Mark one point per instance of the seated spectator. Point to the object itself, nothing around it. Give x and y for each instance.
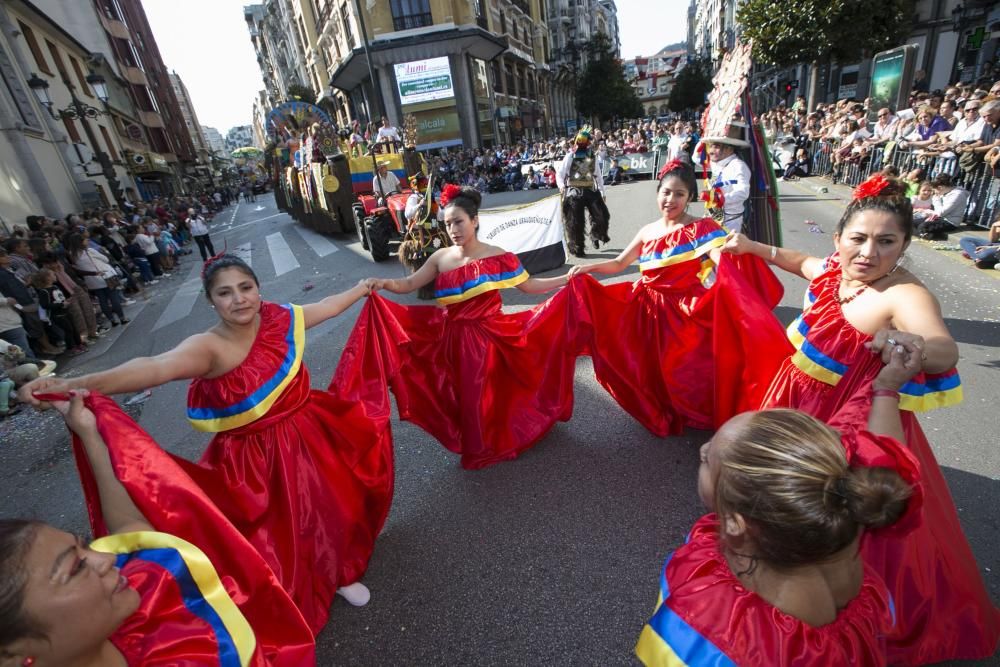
(55, 313)
(18, 296)
(616, 174)
(800, 167)
(913, 179)
(984, 253)
(949, 203)
(922, 200)
(17, 368)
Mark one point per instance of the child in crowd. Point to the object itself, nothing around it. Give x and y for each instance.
(58, 323)
(922, 201)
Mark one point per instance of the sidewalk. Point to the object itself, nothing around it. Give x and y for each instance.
(818, 185)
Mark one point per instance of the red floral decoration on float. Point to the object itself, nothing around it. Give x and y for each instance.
(448, 193)
(873, 187)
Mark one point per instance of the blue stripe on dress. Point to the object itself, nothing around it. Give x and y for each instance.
(478, 280)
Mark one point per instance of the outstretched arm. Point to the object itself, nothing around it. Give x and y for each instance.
(414, 281)
(335, 304)
(790, 260)
(917, 319)
(120, 514)
(194, 357)
(616, 265)
(884, 419)
(543, 285)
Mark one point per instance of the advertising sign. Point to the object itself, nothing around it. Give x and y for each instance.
(424, 81)
(892, 75)
(437, 128)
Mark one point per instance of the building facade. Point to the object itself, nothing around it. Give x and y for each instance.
(203, 157)
(653, 84)
(238, 137)
(216, 143)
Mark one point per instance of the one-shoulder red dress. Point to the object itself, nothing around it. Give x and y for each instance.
(689, 343)
(487, 384)
(206, 595)
(944, 610)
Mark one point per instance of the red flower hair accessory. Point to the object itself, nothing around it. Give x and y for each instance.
(873, 187)
(670, 166)
(448, 193)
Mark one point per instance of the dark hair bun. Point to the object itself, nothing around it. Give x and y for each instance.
(875, 497)
(472, 193)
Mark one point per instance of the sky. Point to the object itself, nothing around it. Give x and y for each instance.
(206, 42)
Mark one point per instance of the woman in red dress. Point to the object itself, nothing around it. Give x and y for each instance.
(860, 303)
(305, 475)
(488, 385)
(135, 596)
(687, 343)
(773, 577)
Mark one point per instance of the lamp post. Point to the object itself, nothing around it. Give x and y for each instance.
(81, 111)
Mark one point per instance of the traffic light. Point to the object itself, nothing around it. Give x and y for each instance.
(788, 88)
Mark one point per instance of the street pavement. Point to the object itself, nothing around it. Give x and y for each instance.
(550, 559)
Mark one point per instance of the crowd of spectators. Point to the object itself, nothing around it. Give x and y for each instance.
(64, 283)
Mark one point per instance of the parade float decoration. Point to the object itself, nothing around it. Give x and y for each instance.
(728, 106)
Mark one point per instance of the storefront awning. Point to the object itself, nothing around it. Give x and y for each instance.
(434, 43)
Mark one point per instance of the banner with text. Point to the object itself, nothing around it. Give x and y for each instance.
(533, 232)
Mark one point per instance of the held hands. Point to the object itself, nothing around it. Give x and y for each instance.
(886, 339)
(577, 270)
(905, 361)
(26, 394)
(78, 417)
(370, 285)
(737, 244)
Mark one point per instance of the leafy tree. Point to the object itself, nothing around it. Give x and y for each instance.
(602, 90)
(297, 91)
(818, 31)
(693, 82)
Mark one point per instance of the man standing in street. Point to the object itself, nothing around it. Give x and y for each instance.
(199, 230)
(581, 184)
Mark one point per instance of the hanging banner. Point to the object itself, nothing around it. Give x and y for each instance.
(534, 233)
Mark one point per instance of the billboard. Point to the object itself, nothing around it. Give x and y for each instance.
(892, 76)
(424, 81)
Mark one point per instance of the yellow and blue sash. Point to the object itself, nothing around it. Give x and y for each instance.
(257, 404)
(681, 253)
(199, 584)
(480, 284)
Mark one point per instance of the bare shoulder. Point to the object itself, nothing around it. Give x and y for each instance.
(492, 251)
(907, 292)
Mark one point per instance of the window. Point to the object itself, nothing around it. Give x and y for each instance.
(503, 24)
(409, 14)
(107, 142)
(84, 86)
(347, 26)
(57, 59)
(36, 52)
(71, 130)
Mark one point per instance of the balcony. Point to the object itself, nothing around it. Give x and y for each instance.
(114, 27)
(151, 119)
(134, 75)
(411, 21)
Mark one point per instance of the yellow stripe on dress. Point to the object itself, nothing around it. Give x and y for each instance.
(654, 652)
(482, 288)
(714, 239)
(235, 632)
(258, 406)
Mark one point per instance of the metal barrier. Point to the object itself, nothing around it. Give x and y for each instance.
(983, 187)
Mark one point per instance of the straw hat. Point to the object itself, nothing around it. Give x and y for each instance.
(735, 135)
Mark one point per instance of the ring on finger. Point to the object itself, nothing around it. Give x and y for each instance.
(891, 341)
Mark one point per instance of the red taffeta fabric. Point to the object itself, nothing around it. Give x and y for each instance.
(944, 610)
(171, 626)
(486, 384)
(689, 343)
(306, 475)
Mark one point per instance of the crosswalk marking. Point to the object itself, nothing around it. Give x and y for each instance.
(321, 245)
(244, 253)
(184, 299)
(281, 255)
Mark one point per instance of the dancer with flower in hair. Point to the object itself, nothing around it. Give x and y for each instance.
(580, 180)
(487, 384)
(693, 341)
(861, 303)
(305, 475)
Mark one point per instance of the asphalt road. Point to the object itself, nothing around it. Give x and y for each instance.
(550, 559)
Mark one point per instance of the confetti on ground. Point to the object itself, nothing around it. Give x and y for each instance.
(307, 287)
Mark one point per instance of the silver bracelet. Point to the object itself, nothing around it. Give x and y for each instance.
(774, 252)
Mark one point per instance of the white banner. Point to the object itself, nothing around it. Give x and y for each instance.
(533, 232)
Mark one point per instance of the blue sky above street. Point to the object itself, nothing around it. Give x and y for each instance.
(207, 44)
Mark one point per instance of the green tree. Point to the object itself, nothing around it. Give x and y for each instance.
(693, 82)
(602, 90)
(819, 31)
(297, 91)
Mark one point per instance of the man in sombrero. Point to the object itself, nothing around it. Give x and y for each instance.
(730, 174)
(581, 185)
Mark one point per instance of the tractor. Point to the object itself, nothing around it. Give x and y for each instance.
(379, 216)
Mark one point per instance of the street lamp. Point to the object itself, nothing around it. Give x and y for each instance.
(78, 110)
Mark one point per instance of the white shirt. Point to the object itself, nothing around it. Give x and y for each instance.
(197, 225)
(951, 206)
(965, 132)
(147, 244)
(388, 133)
(674, 148)
(732, 176)
(390, 183)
